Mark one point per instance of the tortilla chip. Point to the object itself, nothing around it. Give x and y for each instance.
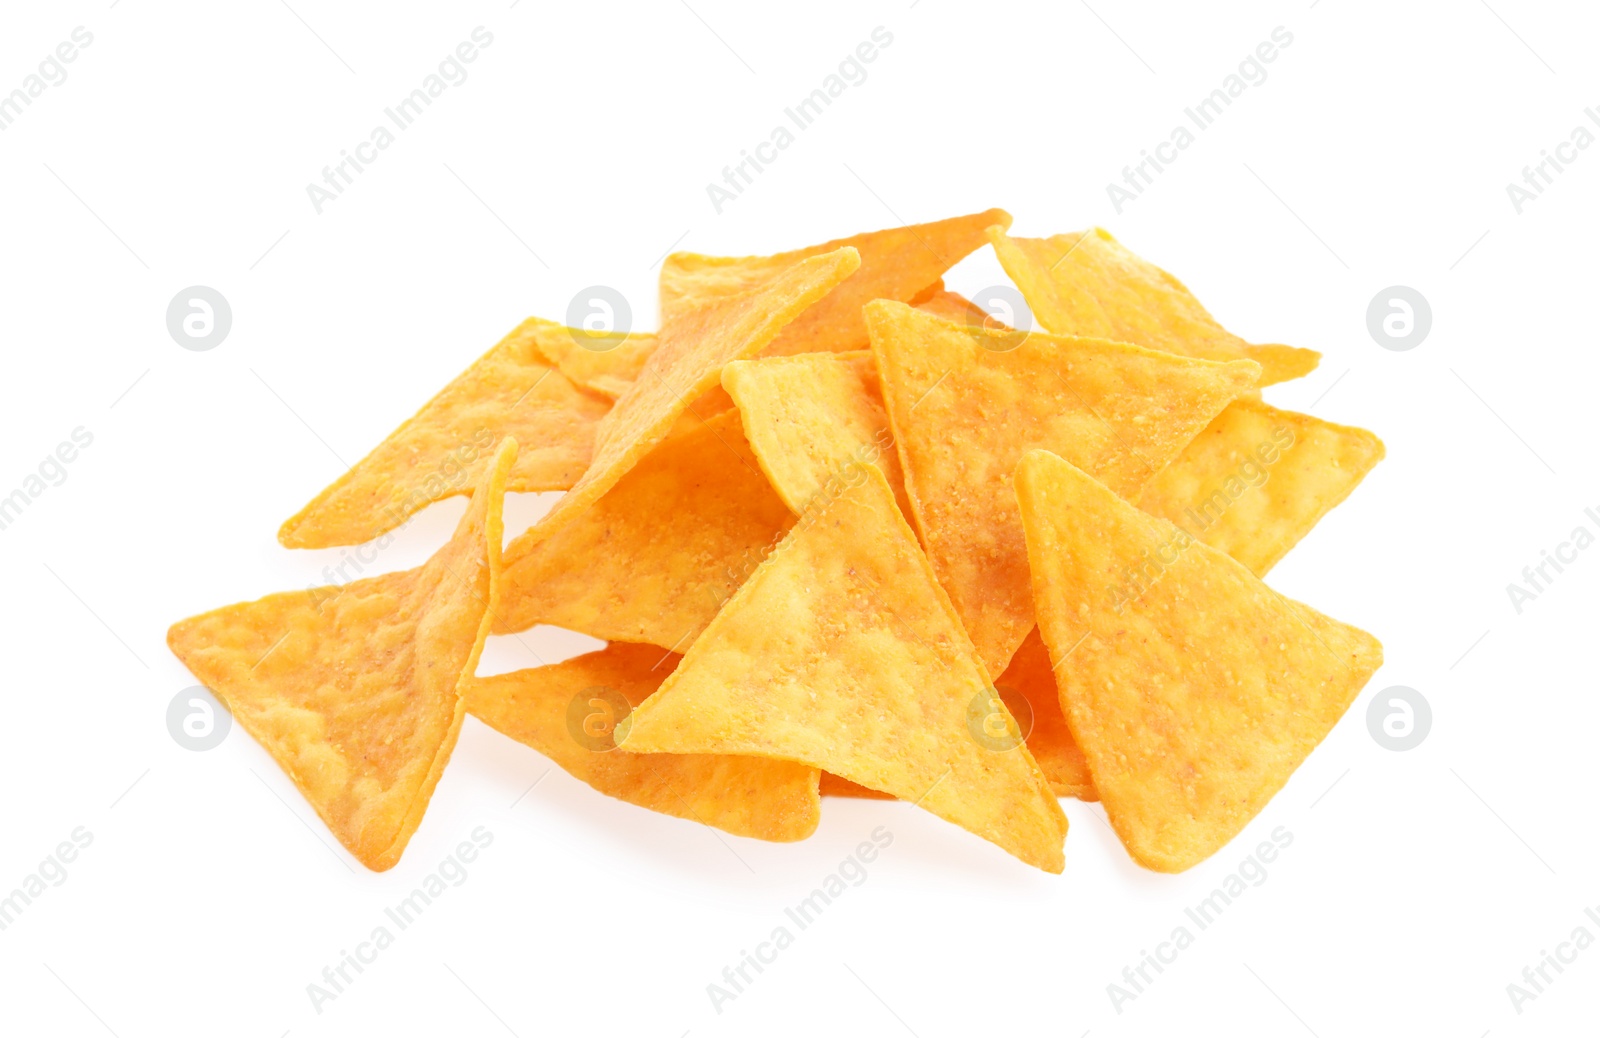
(687, 362)
(602, 362)
(1030, 676)
(1194, 689)
(354, 690)
(813, 420)
(654, 559)
(840, 652)
(441, 451)
(747, 796)
(1259, 478)
(1087, 283)
(966, 403)
(900, 263)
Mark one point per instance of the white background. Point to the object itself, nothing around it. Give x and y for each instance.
(1377, 152)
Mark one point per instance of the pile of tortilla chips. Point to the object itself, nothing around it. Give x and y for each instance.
(844, 533)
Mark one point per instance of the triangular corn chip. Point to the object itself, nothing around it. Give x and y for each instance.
(1259, 478)
(568, 712)
(1194, 689)
(813, 420)
(602, 362)
(842, 653)
(354, 689)
(900, 263)
(654, 559)
(440, 451)
(1087, 283)
(966, 403)
(687, 363)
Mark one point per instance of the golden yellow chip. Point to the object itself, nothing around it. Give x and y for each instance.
(1194, 689)
(967, 402)
(813, 420)
(841, 652)
(1031, 677)
(603, 362)
(900, 263)
(687, 364)
(569, 711)
(1259, 478)
(440, 451)
(1087, 283)
(354, 690)
(654, 559)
